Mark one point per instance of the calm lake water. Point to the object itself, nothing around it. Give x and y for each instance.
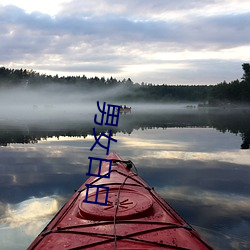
(197, 160)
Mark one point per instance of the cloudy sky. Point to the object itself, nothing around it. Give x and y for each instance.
(156, 41)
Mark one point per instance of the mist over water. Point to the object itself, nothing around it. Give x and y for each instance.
(44, 103)
(61, 102)
(59, 107)
(191, 156)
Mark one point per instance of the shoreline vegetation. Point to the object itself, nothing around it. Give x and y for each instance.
(31, 131)
(223, 95)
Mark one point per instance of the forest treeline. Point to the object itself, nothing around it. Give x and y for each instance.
(236, 91)
(233, 121)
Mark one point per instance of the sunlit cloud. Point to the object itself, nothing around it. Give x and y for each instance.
(188, 56)
(45, 6)
(185, 42)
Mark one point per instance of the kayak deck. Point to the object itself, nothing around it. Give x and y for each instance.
(135, 217)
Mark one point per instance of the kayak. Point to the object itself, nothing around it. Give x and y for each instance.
(133, 217)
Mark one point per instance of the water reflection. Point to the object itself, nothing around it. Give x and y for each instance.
(23, 131)
(20, 222)
(193, 161)
(29, 210)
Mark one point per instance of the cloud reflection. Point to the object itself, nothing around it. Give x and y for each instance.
(226, 216)
(22, 222)
(186, 144)
(228, 203)
(29, 212)
(222, 156)
(197, 170)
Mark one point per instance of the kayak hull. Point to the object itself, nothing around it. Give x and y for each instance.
(135, 216)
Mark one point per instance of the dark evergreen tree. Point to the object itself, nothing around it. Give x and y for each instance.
(246, 69)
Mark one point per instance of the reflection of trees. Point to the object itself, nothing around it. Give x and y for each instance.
(17, 138)
(234, 121)
(19, 134)
(246, 141)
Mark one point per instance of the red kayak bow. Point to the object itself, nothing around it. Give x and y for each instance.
(135, 216)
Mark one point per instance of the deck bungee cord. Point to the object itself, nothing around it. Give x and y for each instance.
(129, 164)
(135, 217)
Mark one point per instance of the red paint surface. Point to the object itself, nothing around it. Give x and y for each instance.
(142, 219)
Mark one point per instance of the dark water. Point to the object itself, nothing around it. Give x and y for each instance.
(194, 159)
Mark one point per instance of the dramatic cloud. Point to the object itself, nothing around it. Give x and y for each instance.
(151, 41)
